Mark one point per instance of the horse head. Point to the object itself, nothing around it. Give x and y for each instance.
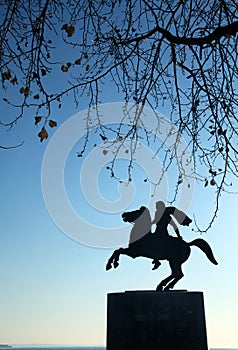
(132, 216)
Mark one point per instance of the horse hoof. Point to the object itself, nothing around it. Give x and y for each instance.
(116, 264)
(156, 265)
(159, 289)
(167, 289)
(108, 266)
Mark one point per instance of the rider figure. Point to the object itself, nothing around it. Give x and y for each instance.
(163, 218)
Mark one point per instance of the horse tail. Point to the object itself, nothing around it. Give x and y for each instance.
(205, 247)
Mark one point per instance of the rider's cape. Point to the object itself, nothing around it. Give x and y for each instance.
(179, 215)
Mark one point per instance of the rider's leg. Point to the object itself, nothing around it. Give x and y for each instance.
(156, 263)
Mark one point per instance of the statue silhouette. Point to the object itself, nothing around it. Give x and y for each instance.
(143, 223)
(159, 245)
(164, 216)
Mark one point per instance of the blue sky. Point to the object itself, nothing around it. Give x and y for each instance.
(54, 289)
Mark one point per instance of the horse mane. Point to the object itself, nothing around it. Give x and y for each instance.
(142, 225)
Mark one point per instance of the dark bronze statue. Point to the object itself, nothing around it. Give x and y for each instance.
(159, 245)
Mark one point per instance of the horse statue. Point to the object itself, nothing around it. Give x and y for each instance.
(151, 245)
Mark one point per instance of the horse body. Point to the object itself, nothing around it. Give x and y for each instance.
(152, 246)
(162, 248)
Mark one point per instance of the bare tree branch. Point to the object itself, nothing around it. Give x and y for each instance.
(179, 54)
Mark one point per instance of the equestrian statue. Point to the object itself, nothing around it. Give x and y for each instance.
(160, 245)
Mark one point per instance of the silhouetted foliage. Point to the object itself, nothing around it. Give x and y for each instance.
(181, 54)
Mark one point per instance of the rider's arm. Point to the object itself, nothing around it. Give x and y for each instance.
(157, 217)
(180, 216)
(175, 227)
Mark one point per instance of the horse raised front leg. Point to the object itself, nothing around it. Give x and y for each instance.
(113, 260)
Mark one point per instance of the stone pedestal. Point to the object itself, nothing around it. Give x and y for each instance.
(149, 320)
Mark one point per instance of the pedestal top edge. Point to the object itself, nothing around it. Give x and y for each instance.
(176, 291)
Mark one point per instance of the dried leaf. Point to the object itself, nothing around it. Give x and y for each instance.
(52, 123)
(14, 80)
(104, 138)
(70, 31)
(36, 97)
(22, 90)
(43, 134)
(35, 75)
(212, 182)
(64, 68)
(87, 67)
(37, 119)
(6, 75)
(65, 27)
(196, 103)
(27, 91)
